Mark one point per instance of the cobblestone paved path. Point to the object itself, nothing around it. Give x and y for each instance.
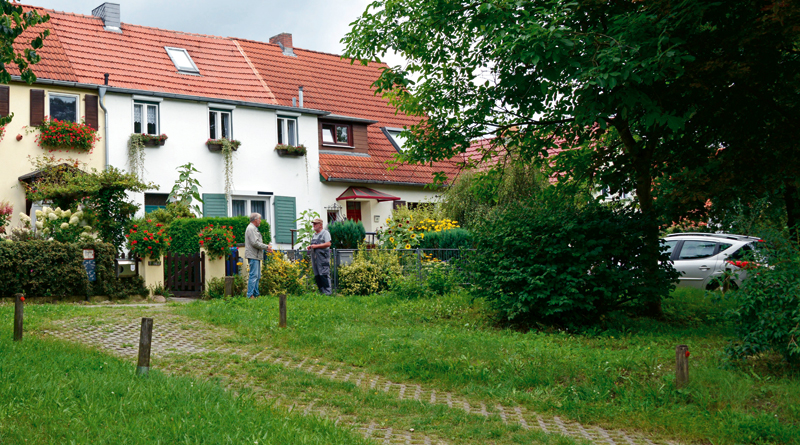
(178, 335)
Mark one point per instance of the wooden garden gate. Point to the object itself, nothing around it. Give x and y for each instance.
(184, 275)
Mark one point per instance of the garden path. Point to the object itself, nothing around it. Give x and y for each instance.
(118, 332)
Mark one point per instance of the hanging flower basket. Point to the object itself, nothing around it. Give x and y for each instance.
(215, 145)
(291, 150)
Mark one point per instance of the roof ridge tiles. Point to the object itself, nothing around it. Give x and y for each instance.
(340, 56)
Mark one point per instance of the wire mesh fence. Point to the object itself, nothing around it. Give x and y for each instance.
(415, 262)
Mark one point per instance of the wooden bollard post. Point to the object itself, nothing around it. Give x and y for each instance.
(145, 339)
(19, 307)
(282, 310)
(228, 286)
(681, 366)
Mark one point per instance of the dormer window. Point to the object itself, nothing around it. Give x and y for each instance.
(182, 61)
(394, 136)
(337, 134)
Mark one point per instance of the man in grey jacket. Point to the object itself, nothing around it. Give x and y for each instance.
(254, 248)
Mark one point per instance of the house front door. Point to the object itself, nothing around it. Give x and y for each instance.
(354, 210)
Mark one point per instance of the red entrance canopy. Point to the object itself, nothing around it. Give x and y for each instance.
(365, 193)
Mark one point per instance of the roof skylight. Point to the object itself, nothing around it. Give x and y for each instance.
(183, 62)
(395, 137)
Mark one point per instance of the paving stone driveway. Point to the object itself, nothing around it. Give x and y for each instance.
(178, 335)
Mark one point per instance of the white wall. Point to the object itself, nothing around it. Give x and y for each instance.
(256, 165)
(372, 208)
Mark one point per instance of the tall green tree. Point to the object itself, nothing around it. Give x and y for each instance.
(615, 78)
(13, 22)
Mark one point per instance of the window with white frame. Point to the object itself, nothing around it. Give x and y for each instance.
(63, 107)
(220, 124)
(245, 205)
(145, 118)
(287, 130)
(182, 60)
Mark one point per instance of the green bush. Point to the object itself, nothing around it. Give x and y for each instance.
(768, 318)
(173, 211)
(216, 287)
(557, 262)
(346, 234)
(410, 287)
(371, 272)
(40, 268)
(449, 239)
(441, 278)
(184, 231)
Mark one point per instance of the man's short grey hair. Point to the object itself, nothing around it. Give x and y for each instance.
(254, 216)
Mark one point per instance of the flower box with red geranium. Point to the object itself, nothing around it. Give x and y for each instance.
(153, 140)
(64, 135)
(217, 240)
(147, 238)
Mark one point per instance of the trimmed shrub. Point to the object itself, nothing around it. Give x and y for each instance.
(40, 268)
(768, 316)
(184, 231)
(371, 272)
(556, 262)
(448, 239)
(346, 234)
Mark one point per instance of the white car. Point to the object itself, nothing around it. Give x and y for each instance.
(703, 258)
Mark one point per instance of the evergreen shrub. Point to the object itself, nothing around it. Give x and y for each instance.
(41, 268)
(184, 231)
(559, 262)
(346, 234)
(448, 239)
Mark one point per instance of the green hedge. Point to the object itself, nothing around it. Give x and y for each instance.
(184, 231)
(448, 239)
(52, 269)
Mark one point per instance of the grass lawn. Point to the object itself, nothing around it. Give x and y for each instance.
(618, 377)
(54, 392)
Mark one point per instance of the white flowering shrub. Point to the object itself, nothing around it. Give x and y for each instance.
(63, 225)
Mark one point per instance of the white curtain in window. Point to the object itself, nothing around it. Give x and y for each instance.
(257, 207)
(137, 118)
(237, 207)
(151, 119)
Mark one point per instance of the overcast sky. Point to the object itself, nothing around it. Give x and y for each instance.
(314, 24)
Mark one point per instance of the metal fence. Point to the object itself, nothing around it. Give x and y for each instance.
(413, 261)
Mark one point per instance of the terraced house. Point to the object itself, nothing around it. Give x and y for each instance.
(310, 132)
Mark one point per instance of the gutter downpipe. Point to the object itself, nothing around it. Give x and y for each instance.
(102, 93)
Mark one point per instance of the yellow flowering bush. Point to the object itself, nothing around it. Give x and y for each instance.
(279, 275)
(371, 272)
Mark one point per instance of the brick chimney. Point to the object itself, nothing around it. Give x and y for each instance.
(109, 12)
(284, 40)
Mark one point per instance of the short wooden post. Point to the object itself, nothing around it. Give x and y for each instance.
(282, 310)
(18, 310)
(228, 286)
(681, 366)
(144, 346)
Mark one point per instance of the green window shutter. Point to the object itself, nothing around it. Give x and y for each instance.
(285, 214)
(215, 205)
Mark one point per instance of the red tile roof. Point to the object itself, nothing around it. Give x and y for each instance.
(82, 51)
(334, 84)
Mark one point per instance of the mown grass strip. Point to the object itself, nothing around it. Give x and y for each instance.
(52, 392)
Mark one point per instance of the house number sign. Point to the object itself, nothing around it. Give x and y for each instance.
(89, 265)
